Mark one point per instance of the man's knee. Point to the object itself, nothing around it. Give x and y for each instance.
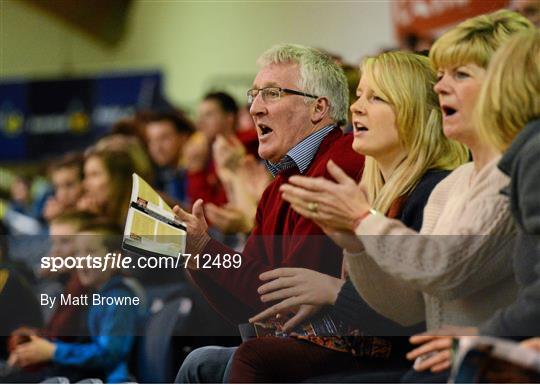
(204, 365)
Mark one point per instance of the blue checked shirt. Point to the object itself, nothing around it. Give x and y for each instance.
(302, 154)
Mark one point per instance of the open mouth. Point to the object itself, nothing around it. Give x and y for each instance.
(448, 111)
(265, 130)
(359, 127)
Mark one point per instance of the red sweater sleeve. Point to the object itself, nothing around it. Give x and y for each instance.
(281, 238)
(226, 289)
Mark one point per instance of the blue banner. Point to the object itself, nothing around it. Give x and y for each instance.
(39, 119)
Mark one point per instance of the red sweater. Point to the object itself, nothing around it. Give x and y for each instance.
(280, 238)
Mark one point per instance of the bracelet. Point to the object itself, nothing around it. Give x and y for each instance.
(363, 216)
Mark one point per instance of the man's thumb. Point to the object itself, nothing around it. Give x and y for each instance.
(198, 209)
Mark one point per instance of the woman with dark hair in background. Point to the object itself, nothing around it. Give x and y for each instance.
(107, 184)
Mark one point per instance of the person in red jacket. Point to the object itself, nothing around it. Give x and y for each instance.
(298, 103)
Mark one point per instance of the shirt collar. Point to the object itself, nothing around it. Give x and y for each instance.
(302, 154)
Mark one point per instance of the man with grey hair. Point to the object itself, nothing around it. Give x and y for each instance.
(298, 101)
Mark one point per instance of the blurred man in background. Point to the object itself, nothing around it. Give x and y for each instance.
(167, 133)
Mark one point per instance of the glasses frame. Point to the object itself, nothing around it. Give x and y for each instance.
(281, 90)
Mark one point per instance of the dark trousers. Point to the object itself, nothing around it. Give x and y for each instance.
(275, 359)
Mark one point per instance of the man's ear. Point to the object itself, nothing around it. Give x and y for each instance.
(320, 109)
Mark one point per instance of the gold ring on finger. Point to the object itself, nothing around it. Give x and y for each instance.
(312, 206)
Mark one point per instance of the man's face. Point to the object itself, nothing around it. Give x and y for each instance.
(283, 123)
(212, 120)
(68, 186)
(164, 143)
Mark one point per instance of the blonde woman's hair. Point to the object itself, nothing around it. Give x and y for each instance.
(476, 39)
(405, 81)
(510, 96)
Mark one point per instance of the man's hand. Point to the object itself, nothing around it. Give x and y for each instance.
(33, 352)
(297, 288)
(197, 236)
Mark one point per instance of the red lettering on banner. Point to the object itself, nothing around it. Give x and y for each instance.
(427, 18)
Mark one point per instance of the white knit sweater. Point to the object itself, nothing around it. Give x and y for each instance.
(457, 270)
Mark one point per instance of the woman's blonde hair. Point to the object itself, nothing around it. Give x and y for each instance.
(405, 81)
(476, 39)
(510, 96)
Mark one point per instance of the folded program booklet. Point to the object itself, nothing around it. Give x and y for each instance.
(151, 227)
(322, 326)
(494, 360)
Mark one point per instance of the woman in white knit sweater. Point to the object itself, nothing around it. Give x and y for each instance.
(460, 265)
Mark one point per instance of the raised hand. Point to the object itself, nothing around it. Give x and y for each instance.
(196, 225)
(335, 205)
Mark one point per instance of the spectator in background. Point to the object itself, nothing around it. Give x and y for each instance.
(18, 304)
(125, 136)
(111, 328)
(107, 184)
(216, 115)
(528, 8)
(244, 180)
(65, 322)
(132, 126)
(66, 176)
(353, 77)
(415, 42)
(166, 136)
(240, 177)
(21, 196)
(246, 131)
(23, 213)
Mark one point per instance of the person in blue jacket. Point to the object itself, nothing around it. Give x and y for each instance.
(113, 311)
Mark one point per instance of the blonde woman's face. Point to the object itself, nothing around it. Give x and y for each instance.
(458, 89)
(374, 123)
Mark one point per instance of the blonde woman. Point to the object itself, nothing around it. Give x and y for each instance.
(508, 117)
(407, 154)
(460, 264)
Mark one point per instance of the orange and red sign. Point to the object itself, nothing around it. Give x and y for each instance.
(428, 18)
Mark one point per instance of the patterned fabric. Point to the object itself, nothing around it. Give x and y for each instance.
(302, 154)
(351, 340)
